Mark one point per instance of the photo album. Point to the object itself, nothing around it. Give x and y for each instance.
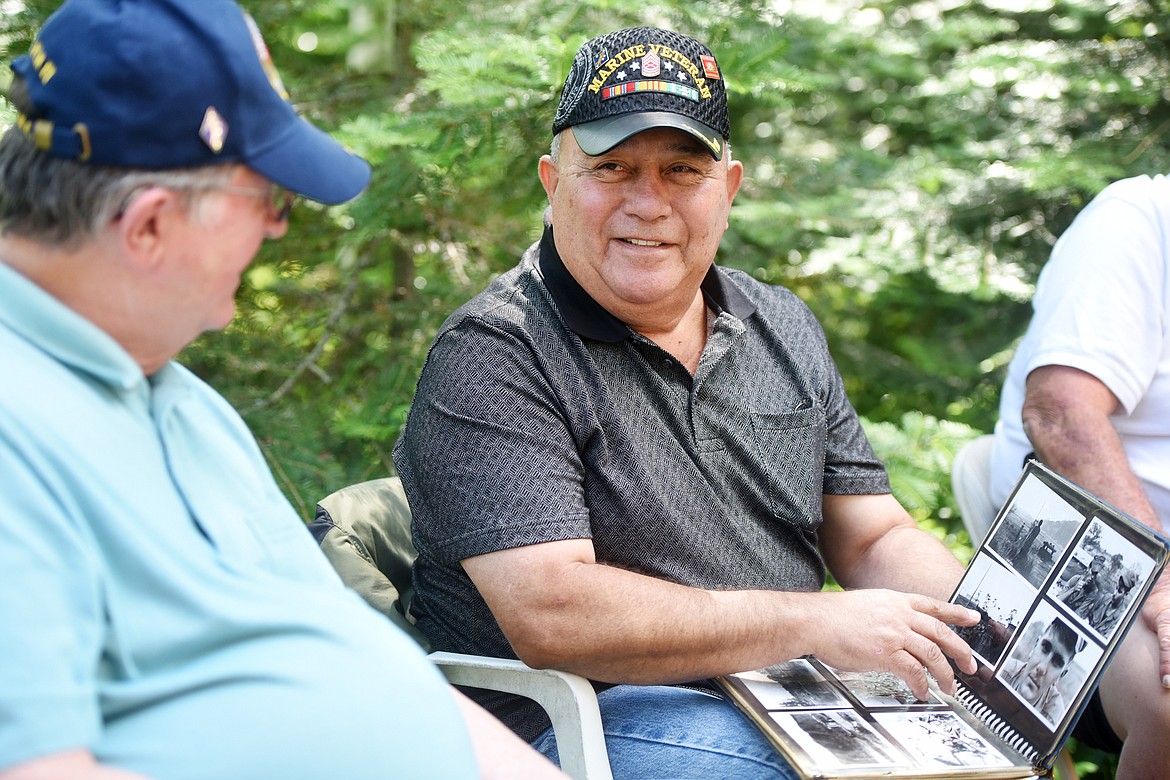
(1059, 580)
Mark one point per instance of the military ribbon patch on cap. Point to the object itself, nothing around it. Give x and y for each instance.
(710, 69)
(669, 87)
(213, 131)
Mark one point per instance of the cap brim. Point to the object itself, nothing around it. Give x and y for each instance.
(601, 135)
(310, 162)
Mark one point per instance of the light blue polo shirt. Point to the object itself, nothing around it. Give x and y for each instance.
(163, 604)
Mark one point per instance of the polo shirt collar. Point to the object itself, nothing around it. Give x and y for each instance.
(35, 315)
(587, 318)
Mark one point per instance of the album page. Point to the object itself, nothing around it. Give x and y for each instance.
(1059, 580)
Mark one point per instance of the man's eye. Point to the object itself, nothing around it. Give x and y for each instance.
(1046, 647)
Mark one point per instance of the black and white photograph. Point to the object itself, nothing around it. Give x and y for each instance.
(1035, 531)
(880, 689)
(792, 685)
(1048, 664)
(1102, 578)
(1001, 597)
(839, 739)
(940, 739)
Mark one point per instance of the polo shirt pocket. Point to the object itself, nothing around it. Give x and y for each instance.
(791, 447)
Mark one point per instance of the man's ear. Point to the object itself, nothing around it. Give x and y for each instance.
(145, 222)
(546, 169)
(734, 180)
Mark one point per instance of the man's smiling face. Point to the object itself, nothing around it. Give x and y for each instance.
(638, 226)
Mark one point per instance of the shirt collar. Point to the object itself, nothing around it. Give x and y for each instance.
(35, 315)
(587, 318)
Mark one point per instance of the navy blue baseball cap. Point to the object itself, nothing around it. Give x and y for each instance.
(159, 84)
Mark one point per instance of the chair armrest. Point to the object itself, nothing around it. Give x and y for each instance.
(569, 700)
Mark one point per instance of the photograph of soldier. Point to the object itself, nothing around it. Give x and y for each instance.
(1098, 581)
(1036, 529)
(1048, 665)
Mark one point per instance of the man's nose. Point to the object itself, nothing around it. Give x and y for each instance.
(649, 197)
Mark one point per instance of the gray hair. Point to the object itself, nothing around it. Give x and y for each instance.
(63, 202)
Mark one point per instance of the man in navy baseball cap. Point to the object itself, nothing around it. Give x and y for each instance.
(174, 618)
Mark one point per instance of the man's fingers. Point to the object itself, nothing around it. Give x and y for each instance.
(952, 614)
(1156, 614)
(935, 644)
(1164, 647)
(935, 629)
(906, 666)
(906, 634)
(953, 646)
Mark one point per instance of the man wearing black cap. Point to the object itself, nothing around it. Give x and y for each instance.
(628, 462)
(168, 614)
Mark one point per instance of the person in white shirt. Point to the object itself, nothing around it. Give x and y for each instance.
(1088, 392)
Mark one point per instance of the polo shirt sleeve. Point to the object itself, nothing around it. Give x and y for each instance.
(1098, 305)
(514, 477)
(50, 619)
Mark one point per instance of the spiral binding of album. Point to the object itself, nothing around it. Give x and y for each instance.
(997, 725)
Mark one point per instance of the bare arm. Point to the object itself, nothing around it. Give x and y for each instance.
(1066, 417)
(872, 542)
(75, 764)
(500, 754)
(560, 608)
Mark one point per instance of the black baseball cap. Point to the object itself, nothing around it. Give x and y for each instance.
(631, 80)
(161, 84)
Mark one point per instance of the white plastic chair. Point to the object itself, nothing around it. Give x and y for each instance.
(971, 481)
(364, 530)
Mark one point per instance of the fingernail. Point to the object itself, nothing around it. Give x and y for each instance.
(1166, 681)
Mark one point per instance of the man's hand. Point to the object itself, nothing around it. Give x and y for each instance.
(1156, 614)
(907, 634)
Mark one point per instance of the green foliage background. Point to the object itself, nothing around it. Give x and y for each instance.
(909, 166)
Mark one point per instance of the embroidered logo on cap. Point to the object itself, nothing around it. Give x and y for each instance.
(265, 57)
(651, 65)
(652, 60)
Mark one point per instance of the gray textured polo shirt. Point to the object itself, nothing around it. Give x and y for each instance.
(541, 417)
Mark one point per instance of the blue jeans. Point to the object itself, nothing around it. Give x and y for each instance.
(661, 732)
